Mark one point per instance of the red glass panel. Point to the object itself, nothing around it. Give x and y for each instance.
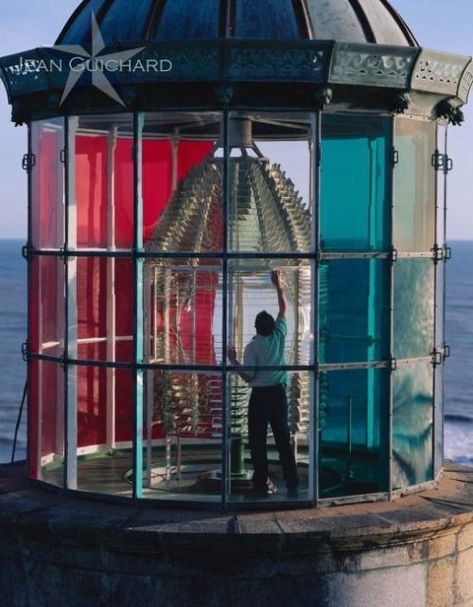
(46, 332)
(91, 191)
(47, 185)
(46, 420)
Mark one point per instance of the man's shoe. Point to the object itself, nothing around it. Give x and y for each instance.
(265, 490)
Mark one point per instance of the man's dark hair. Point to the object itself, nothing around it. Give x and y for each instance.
(264, 323)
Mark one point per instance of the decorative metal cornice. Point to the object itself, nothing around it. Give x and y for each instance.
(439, 73)
(368, 71)
(372, 65)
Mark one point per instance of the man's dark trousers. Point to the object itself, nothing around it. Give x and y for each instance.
(268, 405)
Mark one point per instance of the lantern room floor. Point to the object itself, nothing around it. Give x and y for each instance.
(199, 478)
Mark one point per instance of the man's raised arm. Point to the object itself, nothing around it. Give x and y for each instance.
(276, 279)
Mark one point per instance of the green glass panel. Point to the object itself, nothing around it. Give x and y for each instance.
(353, 407)
(354, 311)
(355, 183)
(414, 186)
(412, 424)
(413, 308)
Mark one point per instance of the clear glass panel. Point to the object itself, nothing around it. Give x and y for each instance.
(441, 185)
(101, 308)
(270, 440)
(104, 428)
(414, 185)
(354, 311)
(46, 330)
(355, 202)
(46, 432)
(250, 291)
(104, 183)
(440, 304)
(183, 311)
(47, 181)
(353, 429)
(182, 183)
(270, 183)
(183, 436)
(439, 408)
(412, 424)
(413, 308)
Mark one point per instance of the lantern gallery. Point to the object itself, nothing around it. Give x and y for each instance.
(159, 209)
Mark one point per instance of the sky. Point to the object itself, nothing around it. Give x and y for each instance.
(27, 24)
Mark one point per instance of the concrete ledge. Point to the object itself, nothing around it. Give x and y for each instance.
(416, 551)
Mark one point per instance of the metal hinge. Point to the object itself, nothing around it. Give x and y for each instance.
(447, 254)
(24, 351)
(395, 156)
(437, 253)
(394, 255)
(393, 364)
(63, 156)
(437, 358)
(25, 252)
(438, 160)
(448, 166)
(62, 254)
(446, 351)
(28, 162)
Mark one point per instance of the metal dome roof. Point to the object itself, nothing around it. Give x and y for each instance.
(355, 21)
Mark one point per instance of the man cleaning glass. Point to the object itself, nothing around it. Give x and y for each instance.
(268, 400)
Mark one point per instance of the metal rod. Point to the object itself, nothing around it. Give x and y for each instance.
(18, 421)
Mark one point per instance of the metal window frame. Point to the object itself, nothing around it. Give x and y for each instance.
(138, 367)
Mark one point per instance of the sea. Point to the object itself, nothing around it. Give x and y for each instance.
(458, 371)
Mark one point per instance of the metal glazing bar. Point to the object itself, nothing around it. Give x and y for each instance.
(391, 327)
(64, 253)
(111, 318)
(356, 255)
(436, 307)
(70, 309)
(138, 349)
(225, 400)
(444, 296)
(29, 246)
(315, 303)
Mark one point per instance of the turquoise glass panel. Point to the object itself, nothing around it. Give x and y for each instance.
(353, 411)
(413, 308)
(354, 311)
(355, 198)
(414, 185)
(412, 424)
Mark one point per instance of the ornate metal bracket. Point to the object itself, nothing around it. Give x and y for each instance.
(454, 115)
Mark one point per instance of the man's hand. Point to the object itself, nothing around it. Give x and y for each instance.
(232, 355)
(276, 279)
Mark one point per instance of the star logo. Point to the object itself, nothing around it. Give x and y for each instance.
(94, 63)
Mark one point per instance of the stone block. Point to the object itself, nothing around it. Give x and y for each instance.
(440, 583)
